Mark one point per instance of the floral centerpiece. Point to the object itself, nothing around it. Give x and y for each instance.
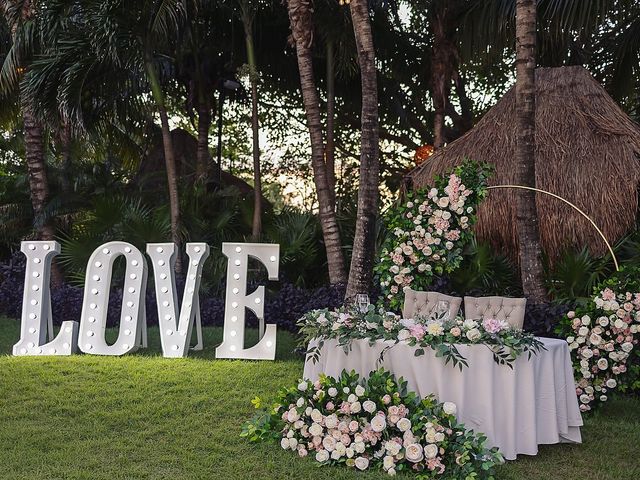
(373, 424)
(602, 337)
(440, 334)
(427, 233)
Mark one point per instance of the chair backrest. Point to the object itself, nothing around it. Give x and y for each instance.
(424, 303)
(501, 308)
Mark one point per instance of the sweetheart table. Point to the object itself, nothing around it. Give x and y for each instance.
(517, 409)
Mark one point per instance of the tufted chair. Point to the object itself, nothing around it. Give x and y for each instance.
(501, 308)
(424, 303)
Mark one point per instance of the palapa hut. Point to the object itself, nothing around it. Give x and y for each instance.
(587, 151)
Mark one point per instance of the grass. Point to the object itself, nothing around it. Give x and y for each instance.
(144, 417)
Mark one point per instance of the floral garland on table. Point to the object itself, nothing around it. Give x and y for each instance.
(429, 232)
(602, 338)
(439, 334)
(373, 423)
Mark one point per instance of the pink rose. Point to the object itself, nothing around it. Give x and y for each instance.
(353, 426)
(455, 331)
(386, 399)
(330, 406)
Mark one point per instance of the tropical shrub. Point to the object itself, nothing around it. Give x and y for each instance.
(428, 232)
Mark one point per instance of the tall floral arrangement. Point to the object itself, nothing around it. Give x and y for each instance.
(373, 424)
(603, 338)
(428, 232)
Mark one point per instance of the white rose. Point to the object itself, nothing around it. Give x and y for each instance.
(388, 462)
(392, 447)
(619, 324)
(359, 447)
(293, 443)
(302, 386)
(329, 443)
(611, 383)
(284, 443)
(345, 390)
(359, 390)
(414, 453)
(300, 402)
(332, 392)
(331, 421)
(403, 424)
(369, 406)
(293, 415)
(603, 321)
(341, 448)
(469, 324)
(391, 472)
(356, 407)
(322, 456)
(403, 334)
(362, 463)
(378, 423)
(431, 451)
(473, 334)
(583, 331)
(352, 398)
(627, 347)
(316, 416)
(585, 320)
(449, 408)
(350, 452)
(315, 429)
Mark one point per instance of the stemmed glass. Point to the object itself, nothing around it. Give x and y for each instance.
(442, 310)
(362, 300)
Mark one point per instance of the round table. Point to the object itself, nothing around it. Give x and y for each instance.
(517, 409)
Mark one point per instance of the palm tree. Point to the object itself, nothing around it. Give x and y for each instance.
(531, 270)
(362, 257)
(300, 18)
(247, 15)
(113, 55)
(20, 17)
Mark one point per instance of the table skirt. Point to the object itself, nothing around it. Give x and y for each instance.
(517, 409)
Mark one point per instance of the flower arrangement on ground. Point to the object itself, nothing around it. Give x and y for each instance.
(374, 424)
(602, 338)
(429, 231)
(440, 334)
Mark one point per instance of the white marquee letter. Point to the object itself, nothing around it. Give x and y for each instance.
(96, 301)
(237, 299)
(36, 306)
(175, 335)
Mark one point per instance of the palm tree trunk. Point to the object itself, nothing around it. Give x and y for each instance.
(330, 148)
(362, 257)
(38, 181)
(202, 153)
(169, 159)
(526, 216)
(256, 230)
(302, 32)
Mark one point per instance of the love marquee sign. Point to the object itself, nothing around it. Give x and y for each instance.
(176, 326)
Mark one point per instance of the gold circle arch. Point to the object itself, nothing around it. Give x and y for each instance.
(521, 187)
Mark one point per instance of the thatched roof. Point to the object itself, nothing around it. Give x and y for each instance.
(587, 151)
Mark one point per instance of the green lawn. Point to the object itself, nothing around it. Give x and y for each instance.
(145, 417)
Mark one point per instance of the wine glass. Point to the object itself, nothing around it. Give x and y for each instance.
(442, 310)
(362, 300)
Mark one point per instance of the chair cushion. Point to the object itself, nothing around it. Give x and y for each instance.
(424, 303)
(500, 308)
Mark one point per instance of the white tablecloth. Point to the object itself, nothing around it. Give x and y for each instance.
(517, 409)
